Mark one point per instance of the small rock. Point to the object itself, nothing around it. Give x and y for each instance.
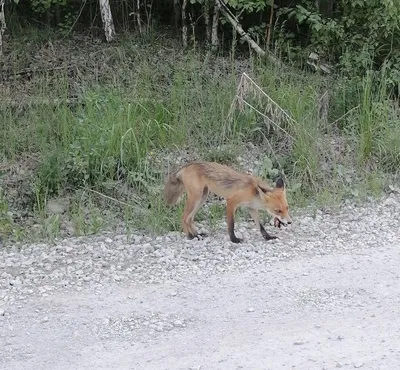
(357, 365)
(148, 248)
(178, 323)
(173, 293)
(2, 312)
(55, 207)
(298, 343)
(250, 309)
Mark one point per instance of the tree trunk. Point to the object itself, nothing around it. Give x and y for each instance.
(214, 31)
(107, 19)
(3, 25)
(138, 18)
(176, 14)
(325, 7)
(57, 14)
(184, 24)
(207, 20)
(269, 27)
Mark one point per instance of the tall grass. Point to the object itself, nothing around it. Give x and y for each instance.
(110, 135)
(378, 124)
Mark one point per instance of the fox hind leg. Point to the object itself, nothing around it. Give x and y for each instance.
(194, 202)
(230, 214)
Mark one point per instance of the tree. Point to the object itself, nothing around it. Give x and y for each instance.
(2, 25)
(107, 19)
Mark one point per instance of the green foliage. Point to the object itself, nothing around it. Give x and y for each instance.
(267, 169)
(249, 6)
(226, 155)
(117, 139)
(355, 35)
(40, 6)
(362, 35)
(5, 219)
(8, 228)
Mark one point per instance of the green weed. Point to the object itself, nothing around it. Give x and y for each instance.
(104, 139)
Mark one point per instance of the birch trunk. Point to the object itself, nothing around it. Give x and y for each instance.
(184, 24)
(107, 19)
(214, 31)
(207, 20)
(138, 18)
(3, 25)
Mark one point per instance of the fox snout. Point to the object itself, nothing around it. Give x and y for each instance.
(285, 220)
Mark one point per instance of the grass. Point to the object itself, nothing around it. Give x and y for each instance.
(107, 151)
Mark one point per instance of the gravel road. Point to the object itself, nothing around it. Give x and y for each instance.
(325, 295)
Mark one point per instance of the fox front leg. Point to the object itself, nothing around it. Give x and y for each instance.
(264, 233)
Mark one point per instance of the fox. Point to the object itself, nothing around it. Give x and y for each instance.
(199, 178)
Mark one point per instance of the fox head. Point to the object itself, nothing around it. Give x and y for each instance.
(275, 203)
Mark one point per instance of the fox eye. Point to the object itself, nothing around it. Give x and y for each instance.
(278, 211)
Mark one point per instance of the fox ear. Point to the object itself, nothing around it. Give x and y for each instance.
(263, 193)
(280, 184)
(264, 189)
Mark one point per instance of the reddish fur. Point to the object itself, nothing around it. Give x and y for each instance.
(198, 179)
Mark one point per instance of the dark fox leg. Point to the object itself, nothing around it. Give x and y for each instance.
(230, 214)
(256, 218)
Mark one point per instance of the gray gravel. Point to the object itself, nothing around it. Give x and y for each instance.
(325, 295)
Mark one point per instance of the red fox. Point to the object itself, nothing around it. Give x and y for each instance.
(198, 179)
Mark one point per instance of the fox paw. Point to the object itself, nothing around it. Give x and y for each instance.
(198, 236)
